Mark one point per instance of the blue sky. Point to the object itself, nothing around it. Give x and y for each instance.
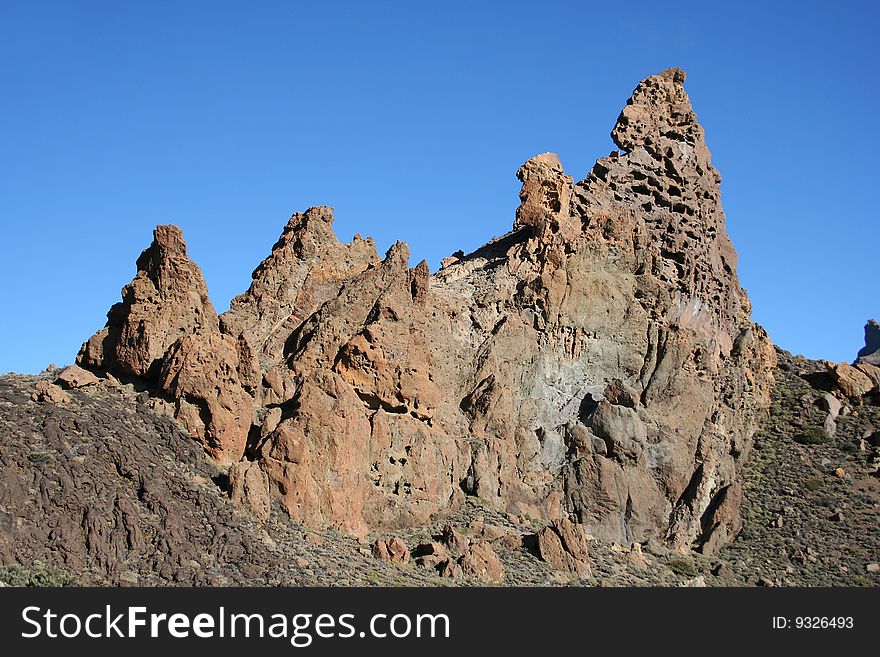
(411, 120)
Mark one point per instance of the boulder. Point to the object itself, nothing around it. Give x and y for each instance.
(392, 549)
(430, 554)
(480, 562)
(851, 381)
(75, 377)
(50, 393)
(563, 545)
(249, 489)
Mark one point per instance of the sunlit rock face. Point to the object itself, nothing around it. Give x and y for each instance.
(595, 364)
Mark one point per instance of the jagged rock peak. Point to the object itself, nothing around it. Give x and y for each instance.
(167, 298)
(658, 108)
(545, 195)
(307, 231)
(306, 267)
(870, 353)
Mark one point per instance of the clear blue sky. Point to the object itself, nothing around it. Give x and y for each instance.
(411, 119)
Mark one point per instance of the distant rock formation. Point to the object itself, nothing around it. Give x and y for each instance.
(862, 378)
(596, 364)
(870, 353)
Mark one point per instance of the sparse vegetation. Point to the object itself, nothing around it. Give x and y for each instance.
(36, 576)
(814, 483)
(682, 566)
(813, 436)
(40, 456)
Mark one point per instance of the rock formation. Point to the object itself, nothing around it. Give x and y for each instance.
(870, 353)
(862, 378)
(595, 364)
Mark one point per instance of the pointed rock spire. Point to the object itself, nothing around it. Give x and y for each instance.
(168, 298)
(870, 353)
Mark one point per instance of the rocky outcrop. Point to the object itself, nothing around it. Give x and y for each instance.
(597, 362)
(563, 545)
(870, 353)
(249, 489)
(167, 299)
(393, 550)
(306, 268)
(210, 376)
(75, 377)
(862, 378)
(166, 332)
(480, 562)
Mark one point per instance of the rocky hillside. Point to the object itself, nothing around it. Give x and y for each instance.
(576, 401)
(98, 488)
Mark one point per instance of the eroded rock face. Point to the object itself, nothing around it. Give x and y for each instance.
(210, 376)
(597, 362)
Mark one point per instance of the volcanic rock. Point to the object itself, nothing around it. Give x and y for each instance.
(207, 373)
(249, 488)
(454, 539)
(47, 391)
(165, 331)
(168, 298)
(393, 550)
(851, 381)
(870, 353)
(598, 362)
(75, 377)
(563, 545)
(480, 562)
(430, 554)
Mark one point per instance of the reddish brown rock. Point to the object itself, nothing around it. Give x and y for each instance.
(724, 523)
(50, 393)
(204, 373)
(870, 371)
(75, 377)
(430, 554)
(393, 550)
(851, 381)
(545, 198)
(448, 569)
(454, 539)
(166, 331)
(598, 362)
(480, 562)
(307, 267)
(249, 489)
(167, 299)
(563, 545)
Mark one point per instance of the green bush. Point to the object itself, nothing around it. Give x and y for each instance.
(38, 576)
(41, 456)
(814, 483)
(682, 566)
(812, 436)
